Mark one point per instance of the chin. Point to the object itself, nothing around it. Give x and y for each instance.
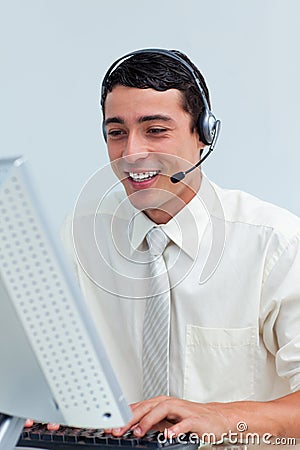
(146, 199)
(158, 200)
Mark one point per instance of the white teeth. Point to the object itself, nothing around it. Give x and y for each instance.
(142, 175)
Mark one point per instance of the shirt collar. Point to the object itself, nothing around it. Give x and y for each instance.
(186, 229)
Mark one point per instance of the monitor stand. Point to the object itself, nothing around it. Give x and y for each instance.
(10, 431)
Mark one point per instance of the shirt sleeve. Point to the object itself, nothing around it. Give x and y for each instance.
(281, 313)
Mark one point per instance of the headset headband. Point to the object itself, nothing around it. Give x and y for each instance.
(206, 124)
(159, 51)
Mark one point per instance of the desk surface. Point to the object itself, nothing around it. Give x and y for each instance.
(290, 445)
(286, 444)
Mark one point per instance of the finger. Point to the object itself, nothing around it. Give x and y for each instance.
(121, 430)
(28, 423)
(139, 410)
(202, 426)
(53, 426)
(149, 402)
(183, 426)
(168, 409)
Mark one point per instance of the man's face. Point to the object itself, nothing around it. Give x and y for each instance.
(149, 138)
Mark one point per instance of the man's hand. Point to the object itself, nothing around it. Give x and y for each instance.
(175, 416)
(279, 417)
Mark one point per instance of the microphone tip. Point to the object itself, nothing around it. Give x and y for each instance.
(177, 177)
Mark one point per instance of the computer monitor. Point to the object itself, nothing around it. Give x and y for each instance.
(53, 364)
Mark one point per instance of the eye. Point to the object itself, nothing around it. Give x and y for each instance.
(156, 130)
(115, 133)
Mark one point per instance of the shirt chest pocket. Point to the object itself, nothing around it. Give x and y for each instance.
(219, 364)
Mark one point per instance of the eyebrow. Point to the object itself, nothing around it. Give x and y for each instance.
(113, 120)
(154, 117)
(141, 119)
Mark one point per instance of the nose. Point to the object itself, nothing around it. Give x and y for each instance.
(135, 148)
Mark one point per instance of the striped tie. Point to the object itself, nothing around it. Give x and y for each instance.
(157, 320)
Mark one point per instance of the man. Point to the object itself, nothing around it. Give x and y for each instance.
(234, 335)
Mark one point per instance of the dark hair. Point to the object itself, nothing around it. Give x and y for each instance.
(160, 72)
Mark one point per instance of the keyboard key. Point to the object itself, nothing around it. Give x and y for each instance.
(47, 436)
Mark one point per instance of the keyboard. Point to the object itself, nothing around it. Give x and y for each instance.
(68, 438)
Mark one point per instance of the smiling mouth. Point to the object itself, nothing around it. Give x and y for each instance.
(143, 176)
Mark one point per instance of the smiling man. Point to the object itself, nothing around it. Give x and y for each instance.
(226, 347)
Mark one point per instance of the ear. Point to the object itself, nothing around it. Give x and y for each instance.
(199, 144)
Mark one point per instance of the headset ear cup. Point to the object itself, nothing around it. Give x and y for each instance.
(206, 126)
(104, 131)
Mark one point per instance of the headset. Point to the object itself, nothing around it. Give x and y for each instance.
(207, 124)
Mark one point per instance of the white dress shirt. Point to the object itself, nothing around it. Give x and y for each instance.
(234, 268)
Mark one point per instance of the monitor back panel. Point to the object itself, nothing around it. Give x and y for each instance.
(53, 364)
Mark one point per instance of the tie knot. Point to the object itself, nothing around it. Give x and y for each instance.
(157, 241)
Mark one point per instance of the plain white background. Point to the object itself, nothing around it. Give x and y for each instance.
(54, 54)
